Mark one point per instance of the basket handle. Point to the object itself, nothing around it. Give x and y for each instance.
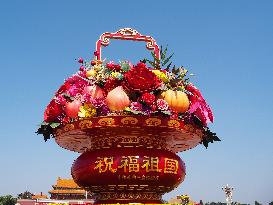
(126, 34)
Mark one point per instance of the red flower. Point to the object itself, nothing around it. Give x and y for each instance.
(63, 88)
(140, 79)
(110, 84)
(148, 98)
(53, 111)
(112, 66)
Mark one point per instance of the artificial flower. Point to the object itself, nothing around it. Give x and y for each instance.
(136, 106)
(112, 66)
(140, 79)
(53, 111)
(100, 105)
(110, 84)
(87, 110)
(91, 73)
(117, 75)
(199, 106)
(148, 98)
(162, 105)
(60, 99)
(161, 75)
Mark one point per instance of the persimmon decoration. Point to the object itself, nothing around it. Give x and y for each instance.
(117, 99)
(177, 100)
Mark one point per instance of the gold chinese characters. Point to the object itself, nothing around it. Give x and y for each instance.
(135, 164)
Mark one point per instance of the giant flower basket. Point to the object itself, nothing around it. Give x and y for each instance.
(128, 122)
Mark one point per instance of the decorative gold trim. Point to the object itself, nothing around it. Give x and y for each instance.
(69, 127)
(85, 124)
(122, 196)
(189, 128)
(153, 121)
(173, 123)
(130, 187)
(106, 121)
(129, 120)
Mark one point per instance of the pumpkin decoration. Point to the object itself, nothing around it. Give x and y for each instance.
(94, 91)
(72, 108)
(177, 100)
(117, 99)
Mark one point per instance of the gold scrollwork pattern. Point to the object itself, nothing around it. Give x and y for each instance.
(128, 196)
(189, 127)
(106, 121)
(127, 141)
(130, 187)
(129, 121)
(85, 124)
(69, 127)
(173, 123)
(153, 121)
(58, 132)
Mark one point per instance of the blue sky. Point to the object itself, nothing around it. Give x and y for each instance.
(228, 45)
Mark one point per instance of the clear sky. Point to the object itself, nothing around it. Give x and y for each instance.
(228, 45)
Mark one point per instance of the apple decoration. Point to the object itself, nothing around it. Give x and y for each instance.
(72, 108)
(117, 99)
(177, 100)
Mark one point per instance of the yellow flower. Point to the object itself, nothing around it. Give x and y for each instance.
(160, 75)
(87, 110)
(115, 74)
(91, 73)
(97, 67)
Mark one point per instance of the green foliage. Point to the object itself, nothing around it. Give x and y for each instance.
(25, 195)
(209, 137)
(257, 203)
(7, 200)
(164, 60)
(46, 130)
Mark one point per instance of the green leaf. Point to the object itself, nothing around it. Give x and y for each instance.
(54, 124)
(168, 66)
(68, 97)
(167, 59)
(163, 53)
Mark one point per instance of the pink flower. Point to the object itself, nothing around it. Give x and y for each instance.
(136, 106)
(60, 99)
(199, 106)
(162, 105)
(80, 60)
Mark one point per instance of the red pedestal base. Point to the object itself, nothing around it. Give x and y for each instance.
(128, 175)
